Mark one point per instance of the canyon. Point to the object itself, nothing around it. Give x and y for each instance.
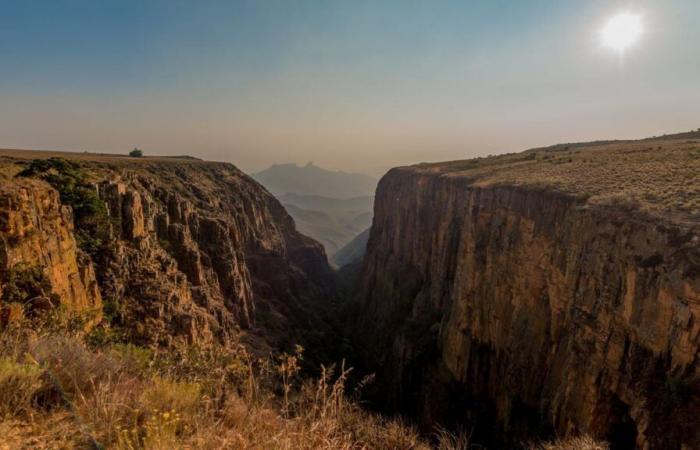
(553, 292)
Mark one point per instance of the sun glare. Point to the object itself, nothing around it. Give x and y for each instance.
(622, 31)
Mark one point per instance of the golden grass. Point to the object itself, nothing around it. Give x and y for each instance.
(18, 384)
(576, 443)
(660, 177)
(56, 391)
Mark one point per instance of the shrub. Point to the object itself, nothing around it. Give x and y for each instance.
(74, 369)
(140, 358)
(25, 282)
(136, 153)
(18, 384)
(158, 432)
(92, 222)
(164, 395)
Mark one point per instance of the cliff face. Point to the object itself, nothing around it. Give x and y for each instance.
(526, 308)
(195, 250)
(37, 231)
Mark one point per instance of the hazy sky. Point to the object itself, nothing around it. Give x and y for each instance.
(355, 85)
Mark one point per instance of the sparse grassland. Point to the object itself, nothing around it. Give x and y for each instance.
(659, 177)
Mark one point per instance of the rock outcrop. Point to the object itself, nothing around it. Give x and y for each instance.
(510, 303)
(196, 250)
(36, 231)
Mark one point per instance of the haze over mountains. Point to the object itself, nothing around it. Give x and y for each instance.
(313, 180)
(333, 207)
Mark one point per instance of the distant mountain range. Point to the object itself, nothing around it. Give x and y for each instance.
(324, 203)
(313, 180)
(334, 227)
(332, 207)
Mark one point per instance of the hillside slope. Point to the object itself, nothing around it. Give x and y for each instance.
(180, 248)
(332, 222)
(551, 291)
(332, 207)
(353, 251)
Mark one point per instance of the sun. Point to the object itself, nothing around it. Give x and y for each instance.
(622, 31)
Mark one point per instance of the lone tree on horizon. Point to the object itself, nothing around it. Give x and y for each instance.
(136, 153)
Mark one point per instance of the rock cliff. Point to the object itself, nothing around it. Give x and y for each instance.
(175, 248)
(553, 291)
(37, 231)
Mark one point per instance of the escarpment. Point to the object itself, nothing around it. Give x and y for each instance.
(174, 248)
(555, 291)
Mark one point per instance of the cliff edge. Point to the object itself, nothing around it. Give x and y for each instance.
(554, 291)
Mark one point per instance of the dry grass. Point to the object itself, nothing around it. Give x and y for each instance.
(56, 391)
(660, 177)
(18, 384)
(577, 443)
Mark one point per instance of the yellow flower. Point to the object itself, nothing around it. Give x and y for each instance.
(166, 415)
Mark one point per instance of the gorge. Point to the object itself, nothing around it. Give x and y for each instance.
(554, 292)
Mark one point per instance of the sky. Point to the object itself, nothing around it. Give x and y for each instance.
(355, 85)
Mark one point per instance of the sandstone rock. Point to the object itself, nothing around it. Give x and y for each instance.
(134, 225)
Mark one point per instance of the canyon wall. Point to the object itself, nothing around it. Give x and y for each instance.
(194, 250)
(518, 308)
(36, 231)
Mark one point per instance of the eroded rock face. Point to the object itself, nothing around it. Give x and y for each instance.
(528, 309)
(37, 231)
(218, 244)
(197, 251)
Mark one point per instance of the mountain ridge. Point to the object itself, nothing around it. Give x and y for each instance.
(313, 180)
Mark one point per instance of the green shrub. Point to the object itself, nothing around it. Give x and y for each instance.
(92, 222)
(133, 355)
(25, 282)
